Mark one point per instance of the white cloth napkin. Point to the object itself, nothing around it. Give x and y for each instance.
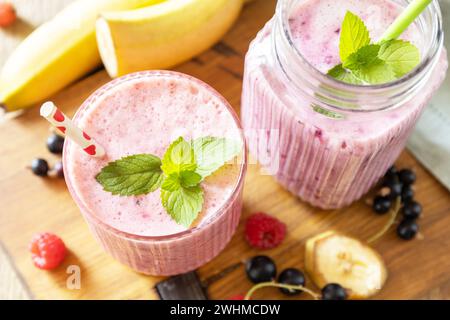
(430, 141)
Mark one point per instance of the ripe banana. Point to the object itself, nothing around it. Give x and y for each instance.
(334, 258)
(162, 35)
(57, 53)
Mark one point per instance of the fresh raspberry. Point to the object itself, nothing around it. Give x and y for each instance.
(237, 297)
(7, 14)
(263, 231)
(47, 250)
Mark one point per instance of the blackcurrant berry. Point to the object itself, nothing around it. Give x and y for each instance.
(55, 144)
(39, 167)
(390, 176)
(412, 210)
(58, 168)
(407, 229)
(381, 204)
(407, 193)
(407, 176)
(261, 269)
(395, 190)
(333, 291)
(294, 277)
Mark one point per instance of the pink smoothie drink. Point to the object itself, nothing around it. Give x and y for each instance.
(144, 113)
(325, 141)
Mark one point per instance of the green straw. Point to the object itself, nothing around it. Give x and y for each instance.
(402, 22)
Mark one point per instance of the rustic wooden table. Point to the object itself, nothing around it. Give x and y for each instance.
(418, 269)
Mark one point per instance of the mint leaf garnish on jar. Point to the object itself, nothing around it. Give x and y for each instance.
(179, 174)
(364, 63)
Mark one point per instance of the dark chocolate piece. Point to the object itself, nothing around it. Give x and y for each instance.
(181, 287)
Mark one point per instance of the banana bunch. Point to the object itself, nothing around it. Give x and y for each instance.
(334, 258)
(128, 35)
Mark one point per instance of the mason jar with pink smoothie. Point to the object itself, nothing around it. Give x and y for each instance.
(325, 140)
(143, 113)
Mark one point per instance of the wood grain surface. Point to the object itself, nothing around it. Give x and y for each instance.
(418, 269)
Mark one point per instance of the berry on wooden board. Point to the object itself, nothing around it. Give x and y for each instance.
(412, 210)
(261, 269)
(58, 169)
(382, 204)
(400, 191)
(407, 176)
(407, 193)
(47, 250)
(333, 291)
(395, 190)
(40, 167)
(407, 229)
(291, 276)
(264, 232)
(390, 177)
(55, 144)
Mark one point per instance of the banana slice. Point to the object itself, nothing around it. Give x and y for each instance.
(331, 257)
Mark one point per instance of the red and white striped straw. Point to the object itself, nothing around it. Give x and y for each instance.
(65, 125)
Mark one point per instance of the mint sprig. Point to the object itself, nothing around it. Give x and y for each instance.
(178, 157)
(183, 204)
(354, 36)
(400, 55)
(212, 153)
(133, 175)
(340, 73)
(366, 63)
(179, 174)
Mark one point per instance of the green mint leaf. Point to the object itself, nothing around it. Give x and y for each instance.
(375, 73)
(190, 178)
(133, 175)
(183, 179)
(354, 35)
(400, 55)
(339, 73)
(362, 58)
(365, 63)
(211, 153)
(183, 204)
(171, 182)
(178, 157)
(364, 66)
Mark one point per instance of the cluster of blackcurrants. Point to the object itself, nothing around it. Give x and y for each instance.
(263, 269)
(40, 167)
(399, 184)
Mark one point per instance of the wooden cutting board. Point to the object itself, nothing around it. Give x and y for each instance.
(417, 269)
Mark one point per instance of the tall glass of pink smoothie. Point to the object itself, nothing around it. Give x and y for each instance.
(327, 141)
(143, 113)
